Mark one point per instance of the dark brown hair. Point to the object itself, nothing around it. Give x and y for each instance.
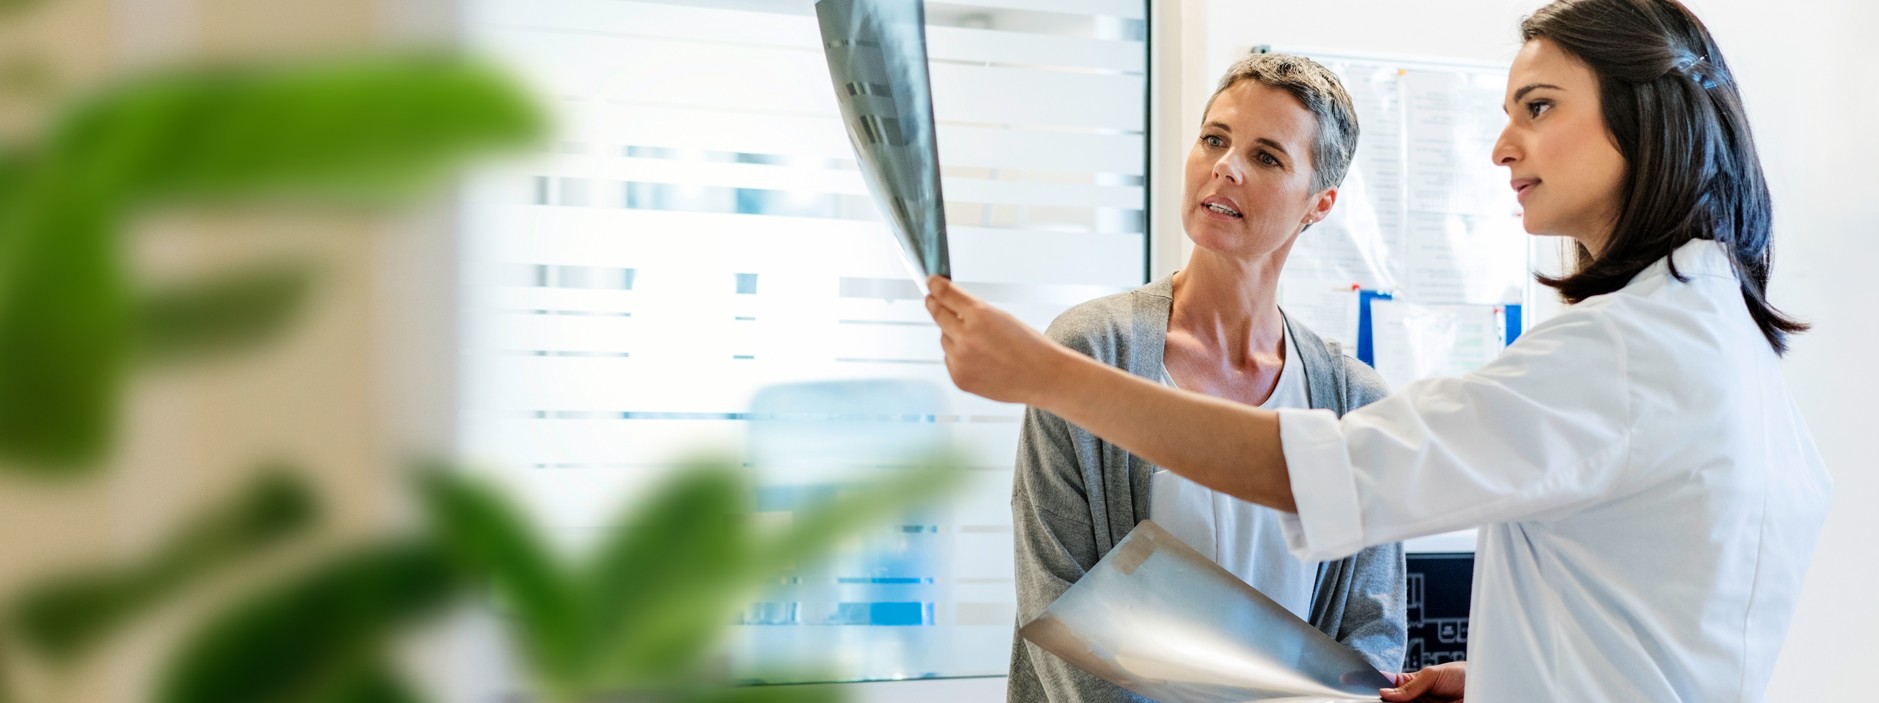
(1671, 105)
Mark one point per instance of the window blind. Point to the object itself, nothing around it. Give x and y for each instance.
(695, 264)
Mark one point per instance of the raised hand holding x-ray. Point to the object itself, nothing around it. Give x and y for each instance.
(876, 51)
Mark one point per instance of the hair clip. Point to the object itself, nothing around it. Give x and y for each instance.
(1705, 78)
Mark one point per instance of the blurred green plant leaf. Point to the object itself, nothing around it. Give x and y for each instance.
(370, 130)
(364, 131)
(319, 636)
(490, 540)
(820, 527)
(64, 321)
(667, 581)
(8, 8)
(373, 683)
(64, 617)
(6, 680)
(226, 313)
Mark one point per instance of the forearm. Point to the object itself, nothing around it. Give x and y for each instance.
(1226, 446)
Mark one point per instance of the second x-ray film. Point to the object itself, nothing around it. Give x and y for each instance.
(1158, 618)
(876, 51)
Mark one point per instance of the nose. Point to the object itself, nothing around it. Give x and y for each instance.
(1228, 166)
(1506, 152)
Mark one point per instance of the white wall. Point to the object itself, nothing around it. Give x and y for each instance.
(1806, 77)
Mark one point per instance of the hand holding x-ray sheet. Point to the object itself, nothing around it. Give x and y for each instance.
(1158, 618)
(876, 51)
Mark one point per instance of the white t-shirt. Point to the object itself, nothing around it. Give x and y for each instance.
(1648, 493)
(1241, 537)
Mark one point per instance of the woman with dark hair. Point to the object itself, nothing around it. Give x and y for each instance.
(1648, 494)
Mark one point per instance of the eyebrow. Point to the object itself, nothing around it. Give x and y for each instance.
(1275, 146)
(1528, 88)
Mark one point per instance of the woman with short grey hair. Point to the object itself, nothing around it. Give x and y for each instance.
(1274, 146)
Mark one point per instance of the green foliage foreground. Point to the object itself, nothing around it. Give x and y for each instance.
(637, 617)
(359, 133)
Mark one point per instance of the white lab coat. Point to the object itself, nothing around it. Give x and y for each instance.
(1647, 492)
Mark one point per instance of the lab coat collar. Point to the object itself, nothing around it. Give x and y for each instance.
(1697, 257)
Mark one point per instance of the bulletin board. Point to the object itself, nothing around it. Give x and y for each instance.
(1422, 268)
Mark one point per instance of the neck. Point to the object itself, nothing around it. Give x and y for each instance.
(1230, 304)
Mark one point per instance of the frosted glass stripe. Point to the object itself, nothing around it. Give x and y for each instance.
(1128, 9)
(613, 125)
(563, 333)
(509, 300)
(644, 384)
(988, 444)
(644, 239)
(983, 544)
(1021, 48)
(897, 343)
(1055, 151)
(721, 26)
(510, 333)
(766, 80)
(985, 500)
(536, 441)
(1045, 295)
(610, 127)
(757, 243)
(609, 385)
(611, 173)
(982, 94)
(532, 441)
(1115, 8)
(1080, 259)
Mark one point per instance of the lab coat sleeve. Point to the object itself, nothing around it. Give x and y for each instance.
(1538, 433)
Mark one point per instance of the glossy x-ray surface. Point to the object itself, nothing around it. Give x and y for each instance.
(876, 51)
(1160, 619)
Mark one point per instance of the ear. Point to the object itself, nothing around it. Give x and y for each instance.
(1322, 208)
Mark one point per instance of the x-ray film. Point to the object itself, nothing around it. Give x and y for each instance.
(1158, 618)
(876, 51)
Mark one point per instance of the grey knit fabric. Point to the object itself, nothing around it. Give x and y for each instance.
(1075, 496)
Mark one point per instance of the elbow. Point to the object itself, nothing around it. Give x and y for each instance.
(1283, 501)
(1278, 489)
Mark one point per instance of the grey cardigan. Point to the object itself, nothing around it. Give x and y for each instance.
(1075, 496)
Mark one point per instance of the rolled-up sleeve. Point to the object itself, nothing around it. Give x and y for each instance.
(1328, 518)
(1544, 429)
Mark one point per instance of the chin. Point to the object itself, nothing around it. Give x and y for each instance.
(1534, 225)
(1215, 240)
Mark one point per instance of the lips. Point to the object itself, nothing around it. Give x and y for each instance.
(1522, 187)
(1221, 206)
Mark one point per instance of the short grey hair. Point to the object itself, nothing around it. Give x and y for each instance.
(1320, 92)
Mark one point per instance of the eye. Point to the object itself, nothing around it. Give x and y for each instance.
(1213, 140)
(1535, 108)
(1266, 158)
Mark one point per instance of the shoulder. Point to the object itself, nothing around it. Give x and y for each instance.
(1325, 359)
(1091, 319)
(1595, 322)
(1364, 384)
(1097, 327)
